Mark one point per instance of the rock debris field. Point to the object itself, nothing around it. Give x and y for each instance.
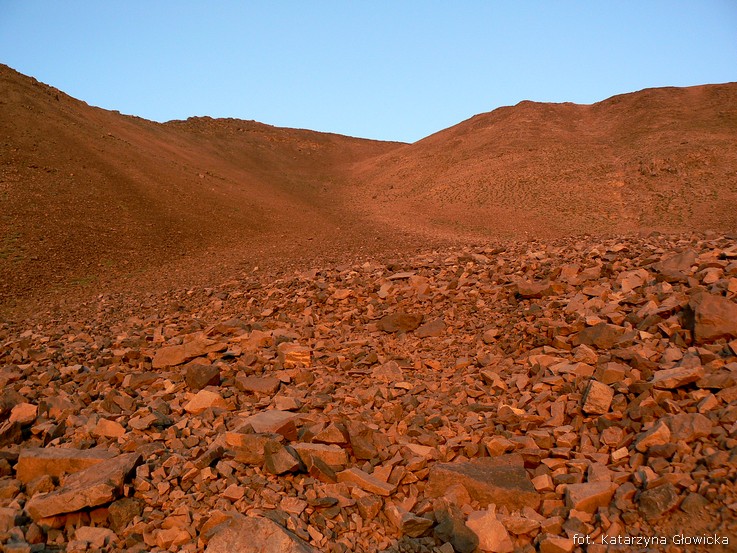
(516, 396)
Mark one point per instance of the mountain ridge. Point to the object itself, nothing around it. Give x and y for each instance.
(91, 195)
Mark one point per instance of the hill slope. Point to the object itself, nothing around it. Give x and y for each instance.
(91, 196)
(656, 159)
(88, 192)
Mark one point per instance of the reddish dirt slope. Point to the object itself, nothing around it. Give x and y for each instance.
(657, 159)
(91, 197)
(89, 194)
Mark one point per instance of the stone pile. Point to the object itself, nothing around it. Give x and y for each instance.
(500, 398)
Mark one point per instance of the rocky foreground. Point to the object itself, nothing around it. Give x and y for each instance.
(508, 397)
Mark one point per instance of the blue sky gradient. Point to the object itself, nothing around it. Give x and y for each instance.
(393, 70)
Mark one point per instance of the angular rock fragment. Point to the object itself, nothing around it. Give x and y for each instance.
(714, 317)
(688, 427)
(400, 322)
(258, 385)
(200, 376)
(171, 356)
(602, 335)
(668, 379)
(91, 487)
(408, 523)
(656, 502)
(365, 481)
(499, 480)
(492, 534)
(205, 399)
(242, 534)
(597, 398)
(589, 496)
(332, 455)
(452, 529)
(279, 459)
(39, 461)
(657, 435)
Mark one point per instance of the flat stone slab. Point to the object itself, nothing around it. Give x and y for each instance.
(40, 461)
(242, 534)
(96, 485)
(499, 480)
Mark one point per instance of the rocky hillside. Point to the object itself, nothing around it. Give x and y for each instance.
(92, 200)
(505, 397)
(660, 159)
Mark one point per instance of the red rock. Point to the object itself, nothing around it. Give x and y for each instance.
(91, 487)
(597, 398)
(176, 355)
(400, 322)
(267, 385)
(589, 496)
(602, 335)
(714, 317)
(501, 481)
(34, 461)
(668, 379)
(365, 481)
(241, 534)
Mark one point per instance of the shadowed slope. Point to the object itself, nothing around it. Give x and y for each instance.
(88, 192)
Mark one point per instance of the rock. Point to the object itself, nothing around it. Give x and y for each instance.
(273, 421)
(656, 502)
(200, 376)
(23, 413)
(433, 328)
(589, 496)
(332, 455)
(279, 459)
(249, 448)
(491, 532)
(489, 480)
(241, 534)
(714, 317)
(96, 537)
(108, 429)
(122, 512)
(408, 523)
(597, 398)
(400, 322)
(687, 427)
(669, 379)
(171, 356)
(369, 506)
(677, 267)
(203, 400)
(267, 385)
(602, 335)
(452, 529)
(35, 461)
(388, 372)
(533, 290)
(365, 481)
(657, 435)
(555, 544)
(7, 519)
(294, 355)
(97, 485)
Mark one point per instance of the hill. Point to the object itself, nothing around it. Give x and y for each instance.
(659, 159)
(90, 195)
(93, 198)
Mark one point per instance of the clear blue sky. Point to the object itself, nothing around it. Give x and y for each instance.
(395, 70)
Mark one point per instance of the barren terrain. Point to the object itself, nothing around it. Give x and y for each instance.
(513, 335)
